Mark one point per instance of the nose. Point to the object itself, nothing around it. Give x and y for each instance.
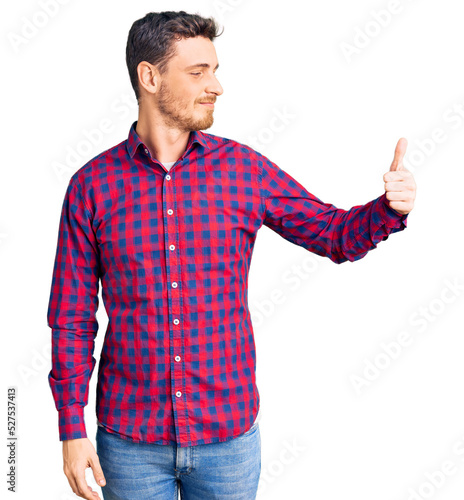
(214, 87)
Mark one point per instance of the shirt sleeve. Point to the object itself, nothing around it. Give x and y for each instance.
(322, 228)
(71, 313)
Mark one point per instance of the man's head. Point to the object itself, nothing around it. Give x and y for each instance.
(172, 64)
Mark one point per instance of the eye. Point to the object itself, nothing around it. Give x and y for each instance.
(195, 73)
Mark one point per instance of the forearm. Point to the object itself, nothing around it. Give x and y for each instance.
(72, 367)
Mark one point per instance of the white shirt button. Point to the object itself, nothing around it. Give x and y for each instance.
(168, 177)
(171, 247)
(178, 394)
(146, 150)
(174, 284)
(170, 211)
(176, 321)
(177, 358)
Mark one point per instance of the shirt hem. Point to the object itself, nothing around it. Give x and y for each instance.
(182, 445)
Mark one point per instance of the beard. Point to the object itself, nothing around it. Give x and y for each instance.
(175, 112)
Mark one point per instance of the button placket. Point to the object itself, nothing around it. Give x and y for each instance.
(174, 291)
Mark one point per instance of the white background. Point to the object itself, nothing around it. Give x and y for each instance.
(321, 438)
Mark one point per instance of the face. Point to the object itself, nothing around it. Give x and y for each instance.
(188, 84)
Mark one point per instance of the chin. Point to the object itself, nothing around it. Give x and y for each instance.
(203, 123)
(207, 124)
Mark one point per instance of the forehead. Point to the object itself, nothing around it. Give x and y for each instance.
(196, 50)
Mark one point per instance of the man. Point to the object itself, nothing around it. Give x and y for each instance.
(167, 221)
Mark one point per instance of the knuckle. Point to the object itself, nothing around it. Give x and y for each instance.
(82, 493)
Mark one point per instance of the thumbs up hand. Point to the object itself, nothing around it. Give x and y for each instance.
(400, 187)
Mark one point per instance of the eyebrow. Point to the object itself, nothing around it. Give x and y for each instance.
(201, 65)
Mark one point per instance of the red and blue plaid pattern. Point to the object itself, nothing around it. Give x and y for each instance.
(173, 251)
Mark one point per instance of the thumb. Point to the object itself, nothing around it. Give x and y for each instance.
(400, 150)
(97, 471)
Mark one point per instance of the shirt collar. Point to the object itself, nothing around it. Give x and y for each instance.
(134, 141)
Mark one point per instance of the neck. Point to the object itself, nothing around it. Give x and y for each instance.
(165, 144)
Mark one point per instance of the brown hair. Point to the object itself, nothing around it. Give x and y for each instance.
(152, 39)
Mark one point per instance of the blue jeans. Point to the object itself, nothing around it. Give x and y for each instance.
(228, 470)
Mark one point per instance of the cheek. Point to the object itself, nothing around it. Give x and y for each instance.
(188, 99)
(190, 92)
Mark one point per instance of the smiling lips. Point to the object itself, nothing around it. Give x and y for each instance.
(208, 103)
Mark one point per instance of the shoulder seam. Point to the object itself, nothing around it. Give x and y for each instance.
(79, 191)
(263, 201)
(90, 162)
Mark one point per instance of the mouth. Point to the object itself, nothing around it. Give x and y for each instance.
(208, 104)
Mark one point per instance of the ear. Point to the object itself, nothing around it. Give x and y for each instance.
(149, 77)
